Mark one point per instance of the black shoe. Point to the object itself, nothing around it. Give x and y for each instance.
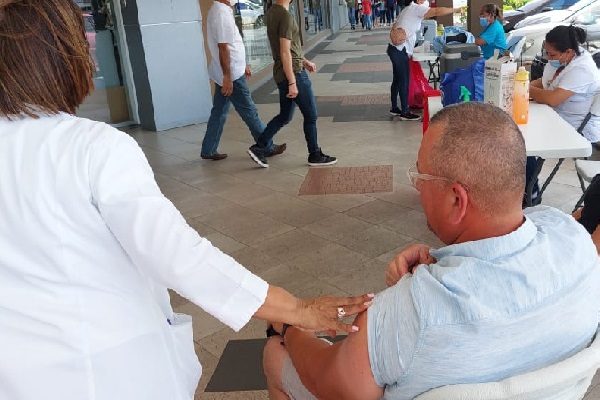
(317, 159)
(258, 155)
(395, 111)
(214, 157)
(410, 117)
(277, 149)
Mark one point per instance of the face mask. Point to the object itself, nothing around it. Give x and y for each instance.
(556, 63)
(483, 22)
(425, 4)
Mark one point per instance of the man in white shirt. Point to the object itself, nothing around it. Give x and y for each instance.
(229, 71)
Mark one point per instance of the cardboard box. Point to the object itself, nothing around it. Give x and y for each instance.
(117, 104)
(499, 82)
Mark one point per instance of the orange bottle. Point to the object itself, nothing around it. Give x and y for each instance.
(521, 97)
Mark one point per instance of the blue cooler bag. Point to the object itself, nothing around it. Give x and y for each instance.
(471, 78)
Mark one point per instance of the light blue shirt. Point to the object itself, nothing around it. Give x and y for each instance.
(495, 38)
(488, 309)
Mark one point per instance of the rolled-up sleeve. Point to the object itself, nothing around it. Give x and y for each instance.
(158, 240)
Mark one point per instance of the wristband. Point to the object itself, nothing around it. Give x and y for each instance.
(293, 83)
(283, 331)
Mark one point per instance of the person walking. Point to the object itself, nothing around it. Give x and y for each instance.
(351, 4)
(289, 73)
(228, 70)
(368, 14)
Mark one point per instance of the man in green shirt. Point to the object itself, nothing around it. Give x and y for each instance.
(289, 73)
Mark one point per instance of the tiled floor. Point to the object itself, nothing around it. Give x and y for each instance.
(312, 244)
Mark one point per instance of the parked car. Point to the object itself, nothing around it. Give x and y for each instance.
(252, 14)
(554, 15)
(534, 7)
(588, 18)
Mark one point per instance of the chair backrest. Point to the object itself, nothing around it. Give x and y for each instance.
(594, 112)
(566, 380)
(515, 45)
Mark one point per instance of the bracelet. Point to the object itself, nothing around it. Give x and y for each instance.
(283, 331)
(293, 83)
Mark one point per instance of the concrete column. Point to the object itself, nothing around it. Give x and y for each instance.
(446, 20)
(168, 60)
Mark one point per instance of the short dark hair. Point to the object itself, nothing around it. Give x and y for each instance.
(45, 62)
(564, 37)
(481, 147)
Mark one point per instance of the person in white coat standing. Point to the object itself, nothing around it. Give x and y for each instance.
(89, 245)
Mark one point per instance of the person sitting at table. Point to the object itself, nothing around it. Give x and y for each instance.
(482, 308)
(493, 36)
(589, 214)
(571, 79)
(568, 85)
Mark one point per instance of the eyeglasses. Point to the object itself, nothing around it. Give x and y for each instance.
(414, 176)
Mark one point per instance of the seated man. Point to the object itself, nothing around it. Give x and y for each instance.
(511, 292)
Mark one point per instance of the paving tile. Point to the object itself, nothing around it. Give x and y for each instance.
(328, 261)
(289, 209)
(348, 180)
(292, 244)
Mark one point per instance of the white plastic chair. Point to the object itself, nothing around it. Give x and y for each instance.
(565, 380)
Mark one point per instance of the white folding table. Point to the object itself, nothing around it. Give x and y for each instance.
(547, 135)
(433, 61)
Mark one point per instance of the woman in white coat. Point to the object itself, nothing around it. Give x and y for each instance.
(88, 244)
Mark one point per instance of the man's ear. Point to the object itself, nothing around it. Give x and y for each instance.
(459, 205)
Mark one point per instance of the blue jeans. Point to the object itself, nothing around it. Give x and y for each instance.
(368, 21)
(305, 102)
(242, 101)
(352, 16)
(401, 70)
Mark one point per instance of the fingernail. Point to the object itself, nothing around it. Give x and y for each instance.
(368, 303)
(371, 295)
(355, 328)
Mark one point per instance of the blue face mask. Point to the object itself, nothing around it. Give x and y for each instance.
(483, 22)
(556, 63)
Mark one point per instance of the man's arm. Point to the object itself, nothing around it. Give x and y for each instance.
(224, 60)
(338, 371)
(440, 11)
(285, 52)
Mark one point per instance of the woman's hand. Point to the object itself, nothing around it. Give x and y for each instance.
(316, 315)
(324, 313)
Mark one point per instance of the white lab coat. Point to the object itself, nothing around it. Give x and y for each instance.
(88, 245)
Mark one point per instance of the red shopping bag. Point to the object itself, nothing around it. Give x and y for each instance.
(417, 86)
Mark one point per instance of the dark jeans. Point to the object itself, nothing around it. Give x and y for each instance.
(305, 102)
(401, 70)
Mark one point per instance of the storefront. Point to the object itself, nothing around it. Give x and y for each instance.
(151, 62)
(110, 102)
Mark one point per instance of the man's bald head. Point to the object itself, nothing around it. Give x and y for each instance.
(481, 147)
